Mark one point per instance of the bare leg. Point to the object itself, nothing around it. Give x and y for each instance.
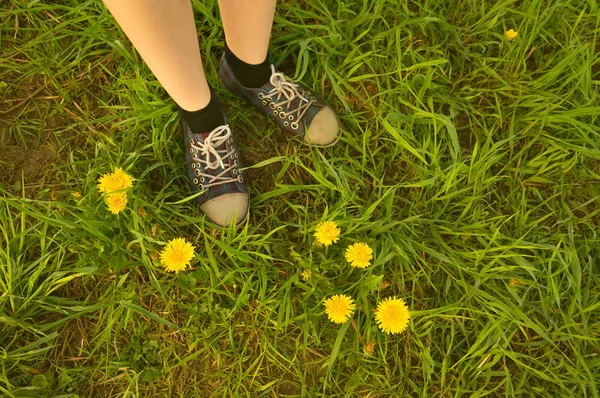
(247, 25)
(164, 33)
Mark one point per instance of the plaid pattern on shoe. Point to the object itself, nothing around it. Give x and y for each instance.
(292, 106)
(213, 164)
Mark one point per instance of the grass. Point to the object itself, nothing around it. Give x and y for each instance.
(469, 162)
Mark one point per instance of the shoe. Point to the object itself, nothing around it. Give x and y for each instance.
(213, 168)
(293, 107)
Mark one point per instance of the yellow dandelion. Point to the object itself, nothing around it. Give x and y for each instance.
(392, 315)
(116, 202)
(76, 195)
(177, 255)
(305, 275)
(511, 34)
(327, 233)
(339, 308)
(111, 182)
(359, 255)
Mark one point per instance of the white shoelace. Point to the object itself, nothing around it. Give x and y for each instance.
(212, 158)
(289, 91)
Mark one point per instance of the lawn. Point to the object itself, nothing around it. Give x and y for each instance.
(469, 162)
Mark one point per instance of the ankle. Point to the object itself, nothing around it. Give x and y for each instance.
(249, 75)
(205, 119)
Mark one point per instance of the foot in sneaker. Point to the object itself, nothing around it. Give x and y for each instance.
(293, 107)
(213, 167)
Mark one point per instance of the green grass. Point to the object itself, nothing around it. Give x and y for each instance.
(469, 162)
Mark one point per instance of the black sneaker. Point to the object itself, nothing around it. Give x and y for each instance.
(213, 167)
(292, 106)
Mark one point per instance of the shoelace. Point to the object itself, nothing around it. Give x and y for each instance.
(205, 151)
(289, 91)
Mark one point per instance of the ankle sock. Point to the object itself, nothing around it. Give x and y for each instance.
(205, 119)
(251, 76)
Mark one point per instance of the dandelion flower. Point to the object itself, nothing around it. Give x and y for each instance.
(339, 308)
(111, 182)
(359, 255)
(392, 315)
(327, 233)
(116, 202)
(511, 34)
(177, 255)
(76, 195)
(305, 275)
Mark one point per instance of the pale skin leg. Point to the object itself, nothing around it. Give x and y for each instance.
(164, 33)
(247, 25)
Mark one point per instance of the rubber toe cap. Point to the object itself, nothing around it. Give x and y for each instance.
(223, 209)
(324, 129)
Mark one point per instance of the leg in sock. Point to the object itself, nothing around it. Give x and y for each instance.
(247, 25)
(164, 33)
(205, 119)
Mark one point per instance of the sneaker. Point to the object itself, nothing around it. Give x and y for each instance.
(293, 107)
(213, 168)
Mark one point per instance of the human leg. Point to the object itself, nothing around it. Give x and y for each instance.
(164, 33)
(246, 71)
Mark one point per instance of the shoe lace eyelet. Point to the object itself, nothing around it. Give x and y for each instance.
(261, 95)
(201, 179)
(279, 108)
(234, 171)
(191, 150)
(286, 123)
(282, 115)
(195, 181)
(197, 172)
(295, 125)
(291, 117)
(264, 102)
(275, 113)
(272, 105)
(240, 178)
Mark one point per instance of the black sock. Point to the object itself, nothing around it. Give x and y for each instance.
(252, 76)
(205, 119)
